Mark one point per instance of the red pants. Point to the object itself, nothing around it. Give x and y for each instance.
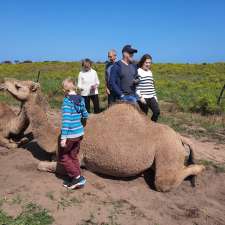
(68, 157)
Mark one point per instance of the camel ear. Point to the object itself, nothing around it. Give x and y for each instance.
(34, 86)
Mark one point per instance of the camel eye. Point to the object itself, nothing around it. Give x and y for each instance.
(17, 86)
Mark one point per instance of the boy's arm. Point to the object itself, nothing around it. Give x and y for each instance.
(64, 124)
(84, 113)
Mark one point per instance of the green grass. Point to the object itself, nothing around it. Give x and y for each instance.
(16, 200)
(219, 168)
(192, 87)
(194, 124)
(32, 214)
(65, 202)
(50, 195)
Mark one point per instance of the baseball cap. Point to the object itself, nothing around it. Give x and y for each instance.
(129, 49)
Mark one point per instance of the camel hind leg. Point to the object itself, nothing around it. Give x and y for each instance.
(174, 179)
(192, 171)
(191, 158)
(170, 168)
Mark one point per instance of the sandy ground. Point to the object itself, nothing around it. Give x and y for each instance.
(108, 201)
(209, 151)
(111, 201)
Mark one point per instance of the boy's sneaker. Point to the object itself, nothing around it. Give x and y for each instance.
(76, 183)
(67, 182)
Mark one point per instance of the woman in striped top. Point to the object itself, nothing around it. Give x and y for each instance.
(145, 88)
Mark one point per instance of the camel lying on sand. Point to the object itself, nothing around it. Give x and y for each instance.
(120, 142)
(12, 125)
(34, 108)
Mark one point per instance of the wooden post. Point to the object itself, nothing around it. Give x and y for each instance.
(38, 76)
(221, 95)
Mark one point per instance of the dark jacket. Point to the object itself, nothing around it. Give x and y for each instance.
(108, 68)
(122, 78)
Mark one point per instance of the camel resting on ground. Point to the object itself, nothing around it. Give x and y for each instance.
(12, 126)
(120, 142)
(33, 105)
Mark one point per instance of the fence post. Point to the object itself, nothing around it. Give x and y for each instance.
(220, 96)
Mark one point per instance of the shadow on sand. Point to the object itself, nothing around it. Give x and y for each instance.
(37, 151)
(40, 154)
(148, 176)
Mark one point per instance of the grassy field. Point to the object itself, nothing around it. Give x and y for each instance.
(188, 88)
(192, 87)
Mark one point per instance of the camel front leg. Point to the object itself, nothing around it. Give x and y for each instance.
(4, 142)
(46, 166)
(51, 167)
(23, 141)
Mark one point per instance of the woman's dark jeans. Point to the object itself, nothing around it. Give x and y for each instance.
(153, 105)
(95, 101)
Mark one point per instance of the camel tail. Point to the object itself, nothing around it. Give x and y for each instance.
(191, 158)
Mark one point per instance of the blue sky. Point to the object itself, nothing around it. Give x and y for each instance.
(172, 31)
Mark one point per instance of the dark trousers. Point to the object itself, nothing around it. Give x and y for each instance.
(153, 105)
(68, 157)
(95, 101)
(111, 98)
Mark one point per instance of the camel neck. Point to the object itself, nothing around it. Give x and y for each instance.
(21, 121)
(43, 131)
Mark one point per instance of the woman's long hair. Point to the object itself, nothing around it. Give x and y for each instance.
(143, 59)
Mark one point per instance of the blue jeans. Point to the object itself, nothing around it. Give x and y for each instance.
(129, 98)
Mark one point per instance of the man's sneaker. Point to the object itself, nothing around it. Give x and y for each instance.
(77, 183)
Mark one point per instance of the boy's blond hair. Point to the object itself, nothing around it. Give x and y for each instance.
(69, 84)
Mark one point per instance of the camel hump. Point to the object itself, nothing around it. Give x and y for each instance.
(126, 110)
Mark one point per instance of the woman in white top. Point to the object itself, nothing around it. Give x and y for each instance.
(145, 88)
(88, 83)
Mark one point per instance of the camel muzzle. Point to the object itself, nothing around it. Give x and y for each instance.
(2, 87)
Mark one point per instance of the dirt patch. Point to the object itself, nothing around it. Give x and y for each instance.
(110, 201)
(209, 151)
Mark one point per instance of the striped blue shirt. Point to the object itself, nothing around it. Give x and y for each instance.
(71, 117)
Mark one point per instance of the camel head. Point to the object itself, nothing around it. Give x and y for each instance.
(2, 85)
(21, 90)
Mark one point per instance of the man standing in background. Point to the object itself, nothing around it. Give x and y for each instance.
(108, 67)
(123, 76)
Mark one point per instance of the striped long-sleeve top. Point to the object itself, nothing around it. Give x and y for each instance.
(73, 109)
(145, 87)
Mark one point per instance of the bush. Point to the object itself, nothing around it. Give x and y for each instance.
(27, 61)
(205, 105)
(7, 62)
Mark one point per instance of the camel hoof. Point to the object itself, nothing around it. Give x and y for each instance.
(47, 166)
(12, 145)
(23, 141)
(193, 178)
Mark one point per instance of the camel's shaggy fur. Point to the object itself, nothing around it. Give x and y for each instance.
(123, 142)
(11, 125)
(120, 142)
(34, 107)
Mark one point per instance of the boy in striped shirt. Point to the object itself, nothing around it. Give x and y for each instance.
(74, 116)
